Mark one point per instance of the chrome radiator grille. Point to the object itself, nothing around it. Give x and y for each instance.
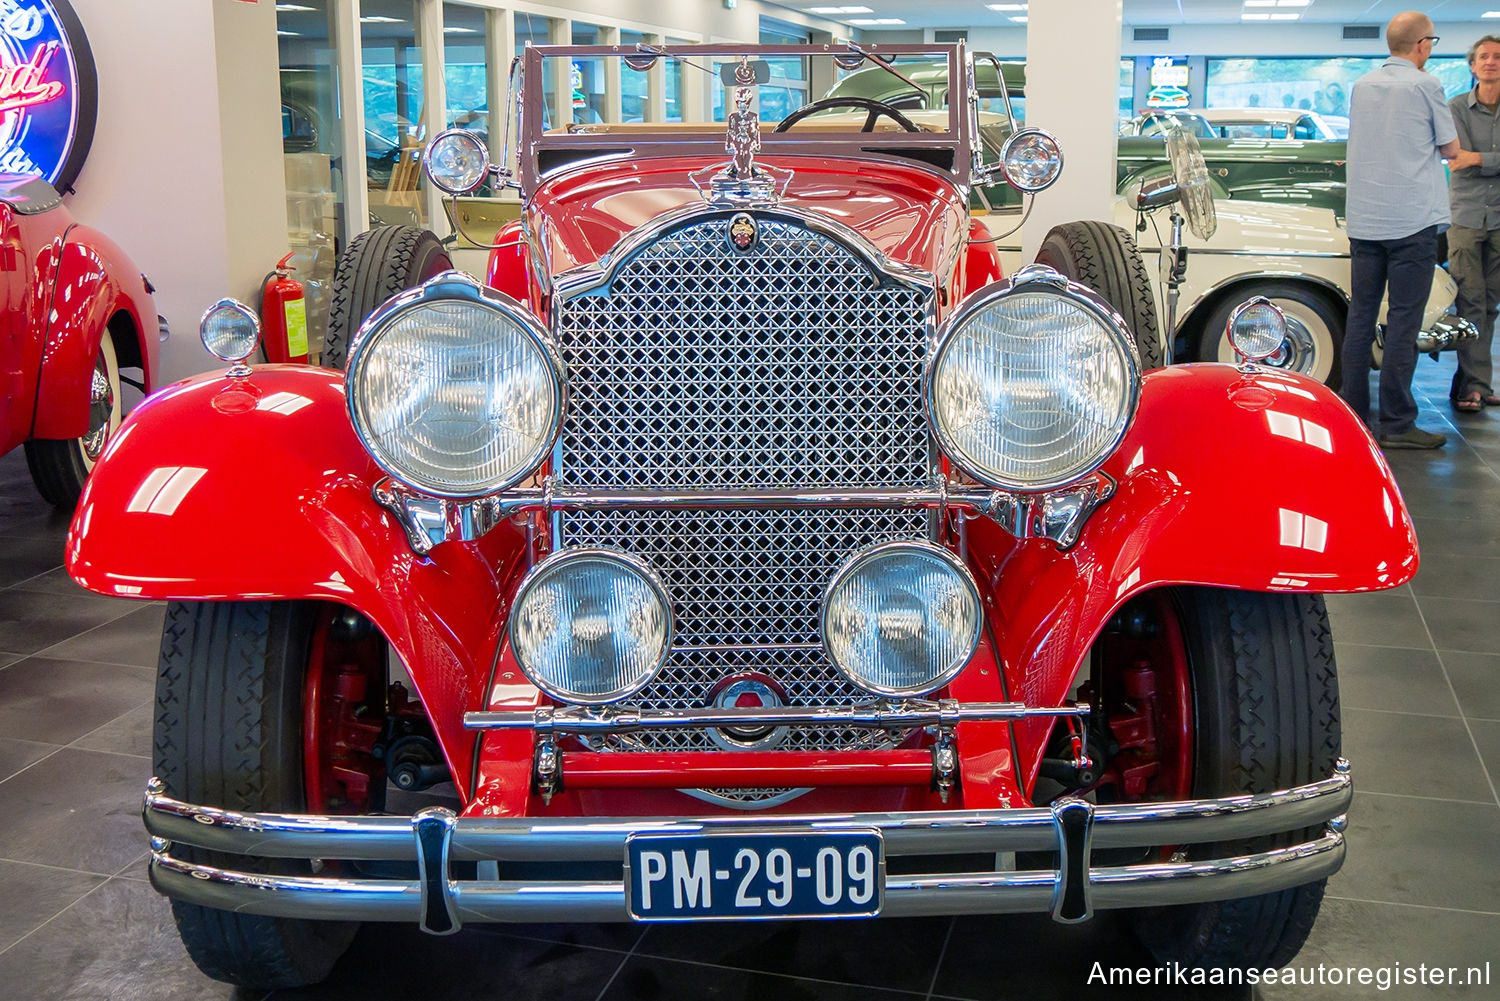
(790, 365)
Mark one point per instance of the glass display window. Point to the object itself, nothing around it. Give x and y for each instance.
(312, 146)
(1309, 83)
(395, 125)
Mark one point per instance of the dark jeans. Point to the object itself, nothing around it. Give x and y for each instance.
(1406, 266)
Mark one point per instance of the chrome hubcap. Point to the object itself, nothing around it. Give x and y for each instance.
(101, 409)
(1299, 352)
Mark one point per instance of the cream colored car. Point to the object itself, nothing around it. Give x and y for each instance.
(1296, 256)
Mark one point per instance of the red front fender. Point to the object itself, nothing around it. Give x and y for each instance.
(257, 488)
(95, 280)
(1259, 481)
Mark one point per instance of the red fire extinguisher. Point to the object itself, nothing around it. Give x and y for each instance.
(283, 315)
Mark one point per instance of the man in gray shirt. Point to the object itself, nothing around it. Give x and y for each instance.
(1399, 131)
(1474, 240)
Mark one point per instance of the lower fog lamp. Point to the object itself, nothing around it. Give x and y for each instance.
(591, 626)
(902, 619)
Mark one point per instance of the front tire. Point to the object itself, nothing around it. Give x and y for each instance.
(236, 684)
(1105, 258)
(1314, 337)
(60, 468)
(379, 263)
(1264, 715)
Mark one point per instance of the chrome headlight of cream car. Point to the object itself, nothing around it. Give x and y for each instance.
(455, 389)
(1034, 384)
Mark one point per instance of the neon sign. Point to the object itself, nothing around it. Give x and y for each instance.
(48, 91)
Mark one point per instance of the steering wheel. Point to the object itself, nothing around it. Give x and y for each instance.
(875, 108)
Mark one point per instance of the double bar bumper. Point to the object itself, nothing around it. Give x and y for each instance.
(1446, 335)
(440, 903)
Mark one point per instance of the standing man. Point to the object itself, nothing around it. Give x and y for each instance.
(1474, 240)
(1400, 129)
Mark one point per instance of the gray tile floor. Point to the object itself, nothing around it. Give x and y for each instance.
(1420, 673)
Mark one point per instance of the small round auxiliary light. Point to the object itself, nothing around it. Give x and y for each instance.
(1032, 160)
(1257, 329)
(901, 619)
(457, 161)
(231, 332)
(591, 626)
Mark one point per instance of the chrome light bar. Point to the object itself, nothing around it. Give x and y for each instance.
(946, 714)
(1057, 515)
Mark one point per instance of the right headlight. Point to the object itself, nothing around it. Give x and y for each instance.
(902, 618)
(455, 389)
(1034, 384)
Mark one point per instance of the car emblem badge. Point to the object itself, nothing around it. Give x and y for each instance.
(742, 231)
(747, 692)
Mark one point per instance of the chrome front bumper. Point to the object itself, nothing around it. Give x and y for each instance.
(440, 903)
(1446, 334)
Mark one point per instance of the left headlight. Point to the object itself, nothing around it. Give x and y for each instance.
(1033, 385)
(591, 626)
(455, 389)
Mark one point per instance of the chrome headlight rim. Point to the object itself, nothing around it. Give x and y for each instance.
(448, 287)
(1033, 278)
(633, 563)
(1239, 343)
(1021, 135)
(471, 136)
(874, 552)
(239, 310)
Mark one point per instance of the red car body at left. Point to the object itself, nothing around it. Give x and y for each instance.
(65, 289)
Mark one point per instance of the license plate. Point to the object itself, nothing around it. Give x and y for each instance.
(683, 877)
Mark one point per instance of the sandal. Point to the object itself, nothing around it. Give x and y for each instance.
(1472, 402)
(1490, 400)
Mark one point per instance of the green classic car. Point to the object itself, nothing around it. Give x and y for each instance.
(1287, 171)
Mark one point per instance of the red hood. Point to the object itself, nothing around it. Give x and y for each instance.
(910, 215)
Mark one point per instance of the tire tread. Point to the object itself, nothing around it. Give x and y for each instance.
(1105, 258)
(378, 264)
(221, 695)
(1271, 656)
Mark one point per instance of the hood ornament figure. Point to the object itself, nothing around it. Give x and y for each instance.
(742, 140)
(742, 181)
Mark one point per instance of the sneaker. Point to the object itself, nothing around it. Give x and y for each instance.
(1413, 438)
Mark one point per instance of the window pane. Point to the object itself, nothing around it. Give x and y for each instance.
(675, 82)
(787, 90)
(1310, 83)
(634, 84)
(465, 75)
(532, 28)
(394, 127)
(312, 145)
(588, 78)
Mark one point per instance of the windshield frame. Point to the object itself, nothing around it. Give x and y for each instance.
(543, 153)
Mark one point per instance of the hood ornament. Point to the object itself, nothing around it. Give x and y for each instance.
(742, 181)
(742, 140)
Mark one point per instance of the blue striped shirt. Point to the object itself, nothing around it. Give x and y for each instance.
(1398, 117)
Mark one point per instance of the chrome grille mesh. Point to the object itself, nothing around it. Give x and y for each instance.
(792, 365)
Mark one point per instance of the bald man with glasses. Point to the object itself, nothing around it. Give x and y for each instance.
(1400, 130)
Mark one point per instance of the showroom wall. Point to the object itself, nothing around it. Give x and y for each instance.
(185, 170)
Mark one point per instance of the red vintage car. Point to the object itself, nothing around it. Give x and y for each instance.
(77, 311)
(743, 547)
